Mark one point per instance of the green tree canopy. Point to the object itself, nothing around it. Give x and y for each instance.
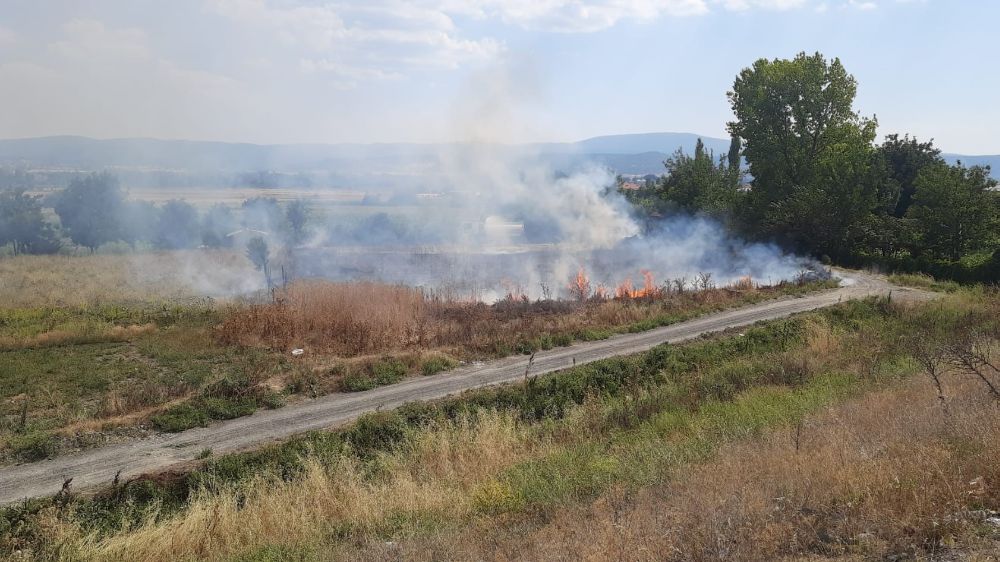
(218, 222)
(955, 210)
(90, 210)
(906, 158)
(23, 226)
(810, 154)
(297, 218)
(177, 226)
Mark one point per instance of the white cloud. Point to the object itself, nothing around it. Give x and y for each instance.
(576, 15)
(90, 39)
(373, 40)
(96, 78)
(862, 5)
(778, 5)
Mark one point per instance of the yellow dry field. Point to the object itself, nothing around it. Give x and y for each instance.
(33, 281)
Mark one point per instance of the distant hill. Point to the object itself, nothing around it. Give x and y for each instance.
(364, 163)
(664, 143)
(992, 161)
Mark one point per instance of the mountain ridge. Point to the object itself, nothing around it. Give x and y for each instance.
(636, 153)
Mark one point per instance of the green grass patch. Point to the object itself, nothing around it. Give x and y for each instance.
(437, 363)
(387, 370)
(923, 281)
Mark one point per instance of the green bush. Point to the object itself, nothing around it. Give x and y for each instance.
(435, 364)
(375, 432)
(225, 408)
(562, 340)
(180, 417)
(34, 445)
(387, 370)
(357, 381)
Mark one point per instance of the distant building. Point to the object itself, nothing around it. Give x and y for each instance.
(631, 186)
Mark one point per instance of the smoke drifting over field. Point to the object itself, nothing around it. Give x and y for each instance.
(517, 227)
(494, 219)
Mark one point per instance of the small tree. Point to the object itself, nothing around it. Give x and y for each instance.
(216, 226)
(954, 209)
(177, 226)
(90, 210)
(296, 217)
(260, 256)
(23, 226)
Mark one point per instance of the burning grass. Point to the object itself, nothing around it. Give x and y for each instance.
(352, 319)
(96, 346)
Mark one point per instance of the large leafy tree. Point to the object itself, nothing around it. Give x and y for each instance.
(90, 210)
(23, 226)
(955, 210)
(906, 158)
(810, 154)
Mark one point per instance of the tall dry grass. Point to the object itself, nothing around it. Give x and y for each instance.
(367, 318)
(884, 476)
(435, 476)
(32, 281)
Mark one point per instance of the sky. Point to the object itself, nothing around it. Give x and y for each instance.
(304, 71)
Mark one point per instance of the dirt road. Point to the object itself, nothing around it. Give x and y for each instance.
(99, 466)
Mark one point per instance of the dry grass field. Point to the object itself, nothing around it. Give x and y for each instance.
(107, 347)
(61, 281)
(349, 319)
(816, 438)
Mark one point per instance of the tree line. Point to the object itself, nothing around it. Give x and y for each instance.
(820, 184)
(93, 211)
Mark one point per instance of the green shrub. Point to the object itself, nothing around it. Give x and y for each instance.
(435, 364)
(225, 408)
(180, 417)
(593, 335)
(375, 432)
(357, 381)
(562, 340)
(34, 445)
(388, 370)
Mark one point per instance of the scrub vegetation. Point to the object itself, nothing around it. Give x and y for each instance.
(819, 436)
(110, 361)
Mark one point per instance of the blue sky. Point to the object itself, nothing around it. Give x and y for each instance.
(278, 71)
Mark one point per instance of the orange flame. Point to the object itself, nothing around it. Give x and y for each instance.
(579, 287)
(601, 292)
(625, 290)
(744, 283)
(649, 289)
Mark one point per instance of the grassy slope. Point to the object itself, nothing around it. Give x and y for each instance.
(521, 455)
